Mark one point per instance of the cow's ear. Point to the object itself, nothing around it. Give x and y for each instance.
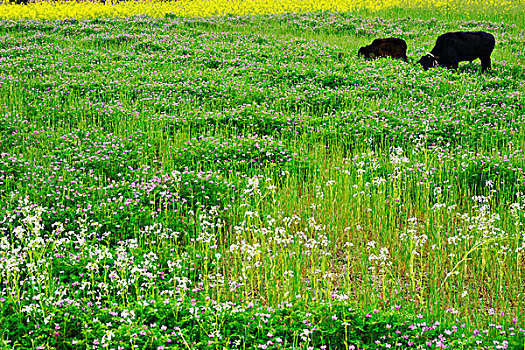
(436, 57)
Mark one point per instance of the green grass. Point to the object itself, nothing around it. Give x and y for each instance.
(224, 182)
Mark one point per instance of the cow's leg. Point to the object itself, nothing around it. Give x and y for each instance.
(448, 61)
(485, 63)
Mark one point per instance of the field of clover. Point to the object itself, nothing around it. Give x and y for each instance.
(246, 182)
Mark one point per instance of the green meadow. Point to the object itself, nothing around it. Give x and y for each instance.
(248, 182)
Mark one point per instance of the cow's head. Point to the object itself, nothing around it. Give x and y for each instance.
(428, 61)
(365, 52)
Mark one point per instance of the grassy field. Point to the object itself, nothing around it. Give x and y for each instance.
(247, 182)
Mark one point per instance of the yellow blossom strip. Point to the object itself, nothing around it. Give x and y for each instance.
(206, 8)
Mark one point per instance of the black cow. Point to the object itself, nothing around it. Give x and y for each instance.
(452, 48)
(389, 47)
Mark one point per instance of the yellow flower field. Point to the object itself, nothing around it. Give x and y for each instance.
(204, 8)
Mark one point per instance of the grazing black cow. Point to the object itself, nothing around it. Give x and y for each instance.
(452, 48)
(389, 47)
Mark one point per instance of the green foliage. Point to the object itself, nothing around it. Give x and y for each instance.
(249, 182)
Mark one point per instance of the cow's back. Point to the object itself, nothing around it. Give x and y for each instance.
(466, 46)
